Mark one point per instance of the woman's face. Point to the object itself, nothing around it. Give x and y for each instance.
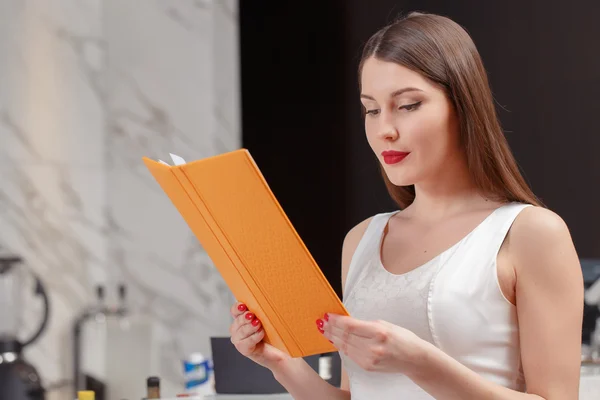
(410, 123)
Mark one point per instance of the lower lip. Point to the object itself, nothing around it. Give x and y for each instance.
(395, 159)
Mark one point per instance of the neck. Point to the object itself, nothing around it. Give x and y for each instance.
(451, 191)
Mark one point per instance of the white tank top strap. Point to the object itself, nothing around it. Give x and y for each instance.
(489, 236)
(363, 254)
(503, 220)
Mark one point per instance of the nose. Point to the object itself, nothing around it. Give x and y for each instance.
(389, 133)
(387, 130)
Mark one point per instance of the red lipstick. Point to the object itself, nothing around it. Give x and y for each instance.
(393, 157)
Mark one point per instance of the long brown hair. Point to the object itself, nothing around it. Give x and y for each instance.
(443, 52)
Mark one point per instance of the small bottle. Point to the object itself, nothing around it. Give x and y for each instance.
(325, 366)
(153, 387)
(198, 375)
(122, 307)
(86, 395)
(100, 314)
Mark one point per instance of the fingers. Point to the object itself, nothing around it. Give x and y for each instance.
(349, 348)
(251, 341)
(247, 333)
(345, 335)
(350, 335)
(347, 342)
(351, 326)
(238, 309)
(245, 325)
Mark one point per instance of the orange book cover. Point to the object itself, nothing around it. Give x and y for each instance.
(230, 208)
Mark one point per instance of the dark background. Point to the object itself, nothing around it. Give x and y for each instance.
(301, 112)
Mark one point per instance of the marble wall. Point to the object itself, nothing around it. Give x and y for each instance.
(52, 159)
(87, 88)
(173, 88)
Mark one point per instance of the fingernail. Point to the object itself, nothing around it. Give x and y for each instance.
(330, 342)
(326, 317)
(255, 322)
(320, 323)
(249, 316)
(242, 308)
(321, 330)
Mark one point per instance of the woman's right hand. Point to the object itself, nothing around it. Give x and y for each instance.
(247, 335)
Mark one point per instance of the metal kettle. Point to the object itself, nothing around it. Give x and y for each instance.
(19, 380)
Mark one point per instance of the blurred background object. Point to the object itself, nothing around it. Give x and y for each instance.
(19, 380)
(88, 87)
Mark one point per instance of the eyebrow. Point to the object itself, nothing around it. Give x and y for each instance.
(394, 93)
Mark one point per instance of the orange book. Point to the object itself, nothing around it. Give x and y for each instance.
(229, 206)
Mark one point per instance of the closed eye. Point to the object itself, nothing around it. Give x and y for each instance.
(408, 107)
(411, 107)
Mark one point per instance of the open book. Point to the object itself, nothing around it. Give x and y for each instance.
(228, 205)
(176, 160)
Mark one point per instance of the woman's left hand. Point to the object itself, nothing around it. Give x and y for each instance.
(374, 345)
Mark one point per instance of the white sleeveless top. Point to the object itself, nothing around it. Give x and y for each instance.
(453, 301)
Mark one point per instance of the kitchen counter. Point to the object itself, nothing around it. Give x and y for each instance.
(589, 386)
(589, 389)
(249, 397)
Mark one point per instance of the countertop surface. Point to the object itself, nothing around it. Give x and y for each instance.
(589, 389)
(285, 396)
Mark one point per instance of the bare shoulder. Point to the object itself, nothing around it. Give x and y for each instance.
(351, 241)
(537, 234)
(538, 226)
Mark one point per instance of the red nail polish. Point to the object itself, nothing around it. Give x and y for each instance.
(326, 317)
(320, 323)
(321, 330)
(242, 308)
(249, 316)
(330, 342)
(255, 322)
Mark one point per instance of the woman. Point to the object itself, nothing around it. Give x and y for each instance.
(473, 290)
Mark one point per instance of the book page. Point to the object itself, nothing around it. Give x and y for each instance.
(176, 159)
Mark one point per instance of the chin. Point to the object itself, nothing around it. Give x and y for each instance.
(400, 179)
(402, 174)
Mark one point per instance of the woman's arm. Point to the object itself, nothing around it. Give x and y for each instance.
(299, 379)
(345, 383)
(549, 291)
(303, 382)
